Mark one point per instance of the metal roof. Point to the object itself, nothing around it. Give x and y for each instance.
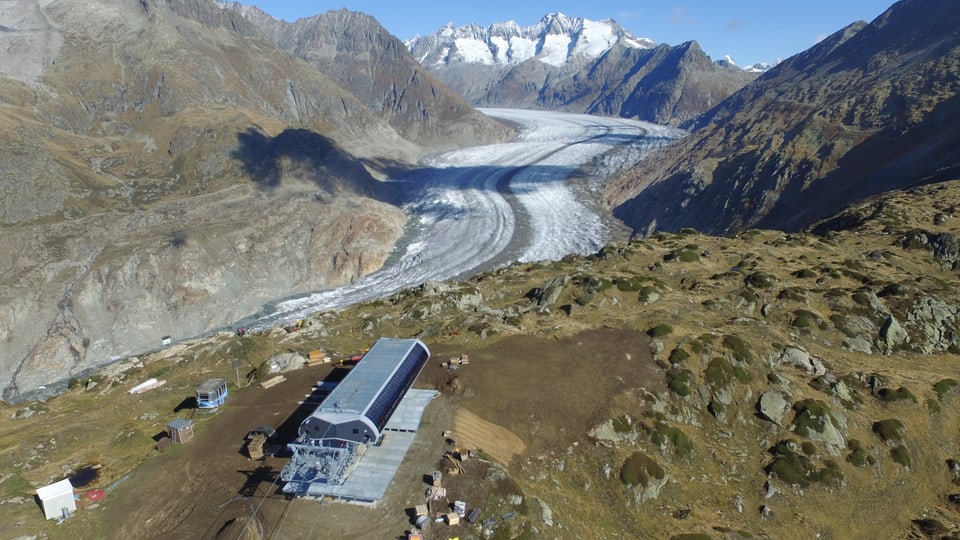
(55, 489)
(179, 423)
(358, 390)
(210, 385)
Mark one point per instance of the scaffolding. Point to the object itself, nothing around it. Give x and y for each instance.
(319, 461)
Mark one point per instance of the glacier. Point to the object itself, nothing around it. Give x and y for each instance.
(484, 207)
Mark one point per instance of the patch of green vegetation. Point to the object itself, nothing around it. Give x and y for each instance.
(720, 373)
(933, 406)
(628, 284)
(760, 280)
(900, 455)
(805, 319)
(943, 386)
(795, 294)
(834, 292)
(890, 430)
(622, 424)
(585, 298)
(678, 355)
(688, 255)
(854, 264)
(861, 298)
(687, 231)
(646, 293)
(16, 485)
(858, 456)
(747, 294)
(735, 344)
(889, 395)
(829, 475)
(160, 371)
(808, 448)
(804, 273)
(811, 416)
(639, 469)
(901, 289)
(699, 346)
(717, 409)
(663, 435)
(660, 330)
(678, 381)
(792, 467)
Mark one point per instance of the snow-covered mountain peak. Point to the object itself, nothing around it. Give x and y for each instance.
(556, 40)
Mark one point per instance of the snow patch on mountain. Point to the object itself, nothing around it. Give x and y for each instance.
(555, 40)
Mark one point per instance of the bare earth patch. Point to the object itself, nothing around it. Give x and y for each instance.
(500, 443)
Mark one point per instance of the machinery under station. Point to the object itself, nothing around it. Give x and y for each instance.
(352, 444)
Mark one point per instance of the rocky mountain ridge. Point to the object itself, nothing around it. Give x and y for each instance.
(360, 55)
(555, 40)
(577, 65)
(860, 113)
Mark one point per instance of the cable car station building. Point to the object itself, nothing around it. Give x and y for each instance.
(345, 434)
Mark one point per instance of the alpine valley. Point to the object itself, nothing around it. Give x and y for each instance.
(745, 322)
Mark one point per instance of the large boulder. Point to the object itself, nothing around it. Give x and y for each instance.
(773, 406)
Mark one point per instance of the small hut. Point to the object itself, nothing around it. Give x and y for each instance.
(57, 499)
(211, 393)
(180, 430)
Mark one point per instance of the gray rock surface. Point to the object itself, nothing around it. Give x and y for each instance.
(773, 406)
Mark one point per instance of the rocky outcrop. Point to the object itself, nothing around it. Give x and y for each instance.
(357, 53)
(549, 293)
(773, 406)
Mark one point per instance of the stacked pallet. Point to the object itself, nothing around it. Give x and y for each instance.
(456, 361)
(317, 358)
(269, 383)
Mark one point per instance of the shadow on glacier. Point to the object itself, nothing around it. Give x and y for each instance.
(306, 155)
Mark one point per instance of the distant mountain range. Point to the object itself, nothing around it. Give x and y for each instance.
(577, 65)
(868, 110)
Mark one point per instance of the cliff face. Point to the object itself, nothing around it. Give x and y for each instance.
(166, 170)
(863, 112)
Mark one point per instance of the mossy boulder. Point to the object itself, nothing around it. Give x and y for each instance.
(815, 421)
(890, 431)
(792, 466)
(644, 475)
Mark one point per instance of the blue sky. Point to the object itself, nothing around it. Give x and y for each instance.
(748, 30)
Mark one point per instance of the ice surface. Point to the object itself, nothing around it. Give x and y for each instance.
(487, 206)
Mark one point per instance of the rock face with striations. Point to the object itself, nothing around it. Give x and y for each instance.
(165, 169)
(863, 112)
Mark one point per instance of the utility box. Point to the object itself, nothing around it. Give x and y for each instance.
(180, 430)
(57, 499)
